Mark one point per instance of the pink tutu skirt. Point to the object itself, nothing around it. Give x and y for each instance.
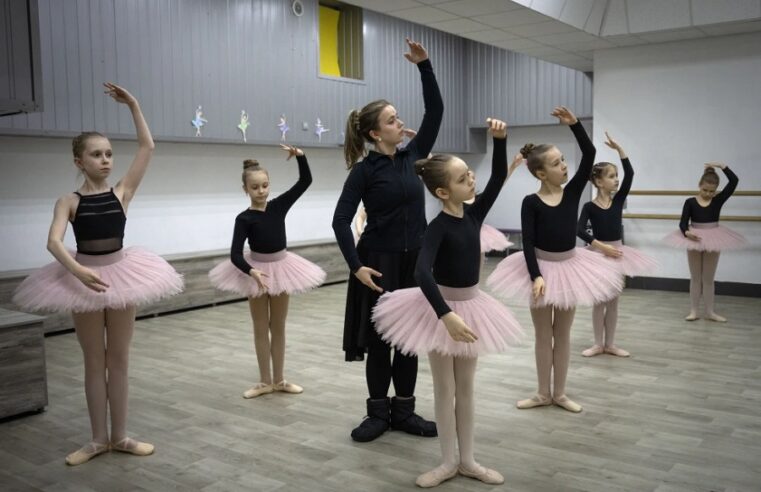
(575, 277)
(405, 319)
(493, 240)
(632, 263)
(287, 273)
(713, 237)
(134, 277)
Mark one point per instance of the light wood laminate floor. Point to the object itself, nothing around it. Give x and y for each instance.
(682, 414)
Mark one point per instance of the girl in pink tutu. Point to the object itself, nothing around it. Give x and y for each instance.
(551, 273)
(268, 274)
(463, 322)
(102, 283)
(704, 238)
(604, 214)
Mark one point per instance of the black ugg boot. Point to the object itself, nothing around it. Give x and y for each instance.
(404, 418)
(376, 422)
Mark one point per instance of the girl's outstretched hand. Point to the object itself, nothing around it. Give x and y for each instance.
(611, 143)
(417, 53)
(497, 128)
(720, 165)
(292, 151)
(517, 161)
(564, 115)
(119, 94)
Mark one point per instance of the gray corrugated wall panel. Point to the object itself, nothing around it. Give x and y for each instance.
(73, 67)
(86, 65)
(5, 50)
(521, 88)
(16, 66)
(97, 55)
(34, 121)
(58, 35)
(228, 55)
(110, 61)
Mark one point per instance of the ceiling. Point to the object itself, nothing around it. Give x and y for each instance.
(567, 32)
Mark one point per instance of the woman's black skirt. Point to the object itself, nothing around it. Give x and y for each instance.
(398, 269)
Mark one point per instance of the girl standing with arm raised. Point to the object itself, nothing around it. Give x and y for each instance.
(551, 273)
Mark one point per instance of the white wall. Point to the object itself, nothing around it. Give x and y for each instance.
(674, 106)
(187, 202)
(191, 194)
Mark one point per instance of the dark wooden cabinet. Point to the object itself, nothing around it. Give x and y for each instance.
(23, 381)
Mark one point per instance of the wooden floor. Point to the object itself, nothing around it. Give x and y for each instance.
(683, 414)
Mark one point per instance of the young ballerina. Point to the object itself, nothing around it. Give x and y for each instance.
(604, 214)
(704, 238)
(102, 283)
(462, 322)
(268, 274)
(384, 181)
(551, 273)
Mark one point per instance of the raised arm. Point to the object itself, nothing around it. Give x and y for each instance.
(731, 185)
(626, 184)
(420, 145)
(588, 151)
(128, 185)
(484, 202)
(288, 198)
(518, 159)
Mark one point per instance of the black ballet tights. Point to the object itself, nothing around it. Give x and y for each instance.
(380, 371)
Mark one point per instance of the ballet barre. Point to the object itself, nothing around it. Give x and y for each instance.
(724, 218)
(687, 192)
(728, 218)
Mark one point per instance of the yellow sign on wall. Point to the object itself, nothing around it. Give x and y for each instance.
(329, 41)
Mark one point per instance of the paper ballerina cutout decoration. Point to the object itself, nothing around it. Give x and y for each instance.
(243, 125)
(283, 126)
(319, 129)
(198, 121)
